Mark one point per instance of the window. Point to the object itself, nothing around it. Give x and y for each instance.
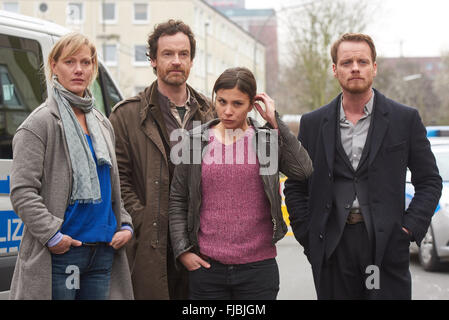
(75, 12)
(22, 86)
(108, 13)
(140, 57)
(141, 13)
(110, 54)
(105, 92)
(11, 6)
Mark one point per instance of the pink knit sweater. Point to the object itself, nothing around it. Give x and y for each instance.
(235, 223)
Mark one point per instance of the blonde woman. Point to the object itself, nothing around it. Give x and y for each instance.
(65, 187)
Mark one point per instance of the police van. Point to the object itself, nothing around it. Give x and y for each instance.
(25, 43)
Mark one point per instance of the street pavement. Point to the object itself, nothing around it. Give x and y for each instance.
(296, 282)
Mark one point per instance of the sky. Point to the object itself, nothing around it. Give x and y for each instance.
(422, 26)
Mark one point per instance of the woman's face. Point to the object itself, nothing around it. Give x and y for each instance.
(232, 106)
(74, 72)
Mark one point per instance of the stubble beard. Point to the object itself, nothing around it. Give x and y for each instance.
(357, 89)
(176, 80)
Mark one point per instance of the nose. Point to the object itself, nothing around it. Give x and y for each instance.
(78, 68)
(355, 67)
(228, 110)
(176, 60)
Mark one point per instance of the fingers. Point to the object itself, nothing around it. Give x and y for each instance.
(76, 243)
(203, 263)
(192, 261)
(64, 245)
(120, 238)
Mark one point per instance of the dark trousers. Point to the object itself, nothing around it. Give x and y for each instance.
(350, 272)
(250, 281)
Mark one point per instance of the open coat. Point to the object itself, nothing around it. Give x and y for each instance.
(41, 181)
(143, 161)
(398, 142)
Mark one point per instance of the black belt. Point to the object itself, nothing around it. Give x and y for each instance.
(95, 244)
(354, 216)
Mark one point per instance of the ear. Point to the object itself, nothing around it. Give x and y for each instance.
(153, 63)
(53, 66)
(375, 68)
(334, 69)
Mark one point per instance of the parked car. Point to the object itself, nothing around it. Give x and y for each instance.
(25, 43)
(434, 249)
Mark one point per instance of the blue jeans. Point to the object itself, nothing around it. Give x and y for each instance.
(82, 273)
(251, 281)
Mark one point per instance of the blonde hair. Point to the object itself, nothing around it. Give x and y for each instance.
(73, 41)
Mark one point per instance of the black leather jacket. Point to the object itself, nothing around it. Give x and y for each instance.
(185, 193)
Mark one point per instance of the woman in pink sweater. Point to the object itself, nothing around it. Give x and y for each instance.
(225, 211)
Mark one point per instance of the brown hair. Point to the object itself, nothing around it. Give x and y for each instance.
(74, 41)
(170, 28)
(240, 78)
(354, 37)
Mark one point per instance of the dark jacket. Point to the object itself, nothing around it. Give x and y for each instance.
(398, 141)
(142, 148)
(185, 195)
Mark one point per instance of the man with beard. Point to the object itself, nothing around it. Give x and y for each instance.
(143, 125)
(350, 215)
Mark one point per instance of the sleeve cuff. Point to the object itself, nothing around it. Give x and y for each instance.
(55, 239)
(127, 227)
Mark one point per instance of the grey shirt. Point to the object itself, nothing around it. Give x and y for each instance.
(353, 137)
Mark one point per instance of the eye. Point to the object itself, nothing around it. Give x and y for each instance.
(221, 101)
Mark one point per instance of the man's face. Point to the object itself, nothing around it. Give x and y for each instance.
(355, 68)
(173, 61)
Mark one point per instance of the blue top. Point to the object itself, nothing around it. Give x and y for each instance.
(91, 222)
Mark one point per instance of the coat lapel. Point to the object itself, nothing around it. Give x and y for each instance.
(328, 132)
(380, 125)
(152, 127)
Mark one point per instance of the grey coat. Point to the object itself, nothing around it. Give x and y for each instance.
(41, 181)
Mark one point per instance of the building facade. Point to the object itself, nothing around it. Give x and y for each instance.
(120, 29)
(262, 24)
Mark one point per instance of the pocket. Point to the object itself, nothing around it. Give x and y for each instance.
(405, 235)
(395, 147)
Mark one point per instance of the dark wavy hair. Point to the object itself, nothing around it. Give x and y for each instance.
(169, 28)
(240, 78)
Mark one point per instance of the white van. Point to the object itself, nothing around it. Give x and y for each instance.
(25, 43)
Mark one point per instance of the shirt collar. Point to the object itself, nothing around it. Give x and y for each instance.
(368, 109)
(173, 106)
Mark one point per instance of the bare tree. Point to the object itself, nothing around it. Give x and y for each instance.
(441, 86)
(407, 83)
(306, 81)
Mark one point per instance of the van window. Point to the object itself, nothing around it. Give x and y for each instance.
(22, 86)
(104, 91)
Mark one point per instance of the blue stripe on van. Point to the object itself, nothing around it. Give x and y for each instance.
(4, 186)
(11, 231)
